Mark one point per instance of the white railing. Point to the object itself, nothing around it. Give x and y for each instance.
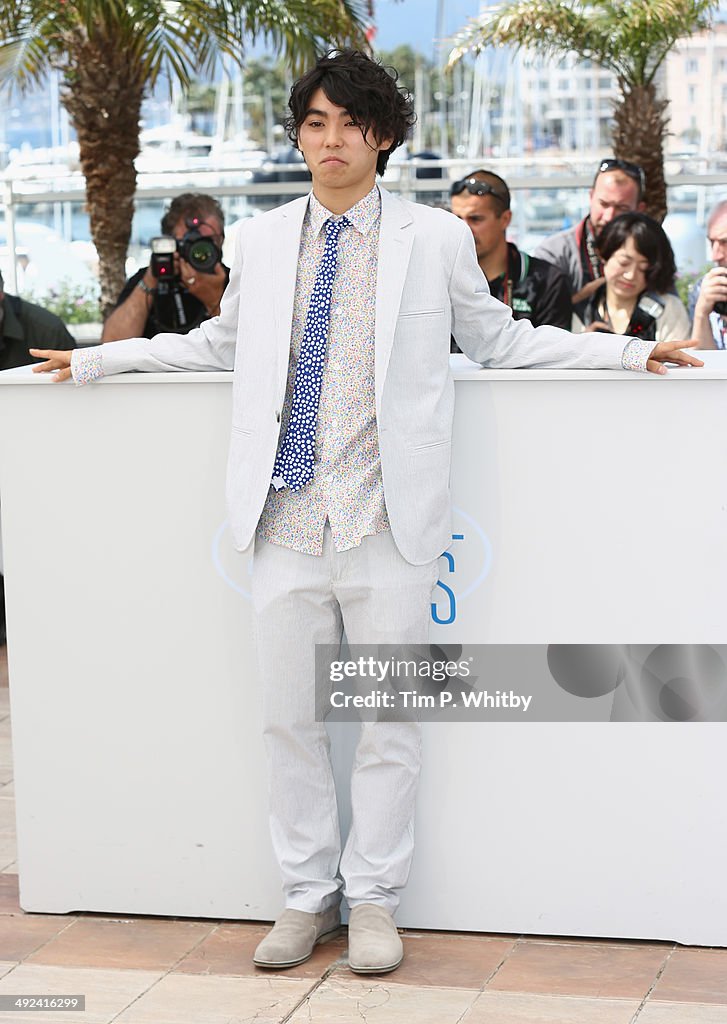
(541, 173)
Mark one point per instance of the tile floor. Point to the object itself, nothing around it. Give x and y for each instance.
(173, 971)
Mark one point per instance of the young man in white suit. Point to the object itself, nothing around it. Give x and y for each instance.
(348, 519)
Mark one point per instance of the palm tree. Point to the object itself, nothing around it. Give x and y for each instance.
(631, 38)
(110, 52)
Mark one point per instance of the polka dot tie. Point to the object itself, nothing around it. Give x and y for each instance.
(294, 463)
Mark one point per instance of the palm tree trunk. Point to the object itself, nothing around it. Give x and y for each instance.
(638, 135)
(103, 100)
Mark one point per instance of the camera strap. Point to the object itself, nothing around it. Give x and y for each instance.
(168, 307)
(590, 260)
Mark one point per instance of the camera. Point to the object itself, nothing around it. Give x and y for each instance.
(199, 250)
(720, 308)
(643, 318)
(171, 299)
(195, 248)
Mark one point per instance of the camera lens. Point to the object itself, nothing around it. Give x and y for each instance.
(200, 252)
(202, 255)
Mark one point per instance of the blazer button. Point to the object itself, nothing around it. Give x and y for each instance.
(277, 415)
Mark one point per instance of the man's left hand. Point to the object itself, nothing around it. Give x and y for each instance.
(671, 352)
(208, 288)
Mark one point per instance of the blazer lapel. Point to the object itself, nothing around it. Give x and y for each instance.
(284, 248)
(396, 236)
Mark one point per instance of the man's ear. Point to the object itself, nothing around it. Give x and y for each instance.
(506, 218)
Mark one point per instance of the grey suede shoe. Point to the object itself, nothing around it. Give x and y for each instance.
(374, 945)
(294, 935)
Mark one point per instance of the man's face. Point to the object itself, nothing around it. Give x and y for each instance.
(334, 148)
(718, 239)
(485, 219)
(613, 193)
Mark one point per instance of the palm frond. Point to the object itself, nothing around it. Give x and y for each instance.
(179, 38)
(629, 37)
(543, 25)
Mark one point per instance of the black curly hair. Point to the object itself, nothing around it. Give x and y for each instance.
(650, 241)
(364, 88)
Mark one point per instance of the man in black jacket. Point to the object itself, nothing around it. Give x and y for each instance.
(534, 290)
(23, 325)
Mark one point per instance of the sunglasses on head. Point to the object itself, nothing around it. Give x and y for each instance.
(475, 187)
(632, 170)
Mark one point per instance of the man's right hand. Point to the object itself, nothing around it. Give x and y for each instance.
(599, 325)
(587, 290)
(712, 290)
(57, 362)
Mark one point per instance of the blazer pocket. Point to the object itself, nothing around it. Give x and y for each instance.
(407, 314)
(429, 446)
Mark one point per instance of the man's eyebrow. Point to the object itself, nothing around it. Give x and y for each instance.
(324, 113)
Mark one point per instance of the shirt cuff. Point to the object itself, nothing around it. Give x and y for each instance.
(636, 354)
(86, 365)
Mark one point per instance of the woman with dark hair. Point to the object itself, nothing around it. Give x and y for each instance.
(637, 297)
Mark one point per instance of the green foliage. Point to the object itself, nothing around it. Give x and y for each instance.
(201, 98)
(684, 282)
(406, 61)
(73, 303)
(263, 78)
(629, 37)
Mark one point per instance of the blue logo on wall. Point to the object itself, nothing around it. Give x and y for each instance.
(479, 563)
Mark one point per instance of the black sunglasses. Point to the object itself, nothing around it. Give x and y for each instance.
(632, 170)
(478, 188)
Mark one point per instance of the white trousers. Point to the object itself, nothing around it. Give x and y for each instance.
(302, 600)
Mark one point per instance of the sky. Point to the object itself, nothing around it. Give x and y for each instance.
(416, 22)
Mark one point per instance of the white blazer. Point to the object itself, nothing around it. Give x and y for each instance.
(429, 286)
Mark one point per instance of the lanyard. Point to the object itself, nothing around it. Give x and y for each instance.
(507, 290)
(518, 266)
(590, 260)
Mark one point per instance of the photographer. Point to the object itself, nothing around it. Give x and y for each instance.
(637, 297)
(618, 187)
(708, 297)
(172, 294)
(534, 289)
